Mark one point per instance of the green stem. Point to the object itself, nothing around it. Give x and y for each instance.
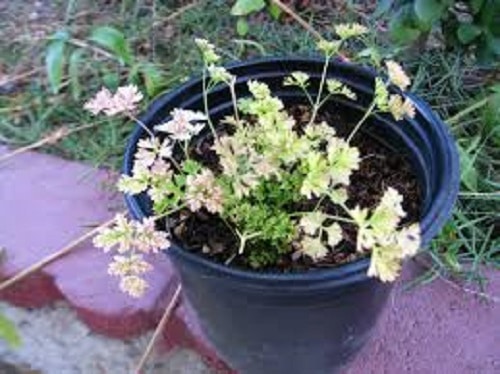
(308, 95)
(205, 103)
(172, 211)
(319, 203)
(320, 91)
(234, 100)
(243, 241)
(336, 218)
(361, 121)
(185, 149)
(230, 258)
(175, 163)
(133, 118)
(325, 100)
(346, 209)
(244, 238)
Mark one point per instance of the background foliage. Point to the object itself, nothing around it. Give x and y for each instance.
(473, 25)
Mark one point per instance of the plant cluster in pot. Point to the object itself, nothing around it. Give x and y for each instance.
(287, 192)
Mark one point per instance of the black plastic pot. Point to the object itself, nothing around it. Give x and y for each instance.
(311, 322)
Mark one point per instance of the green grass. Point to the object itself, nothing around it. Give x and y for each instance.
(450, 82)
(472, 237)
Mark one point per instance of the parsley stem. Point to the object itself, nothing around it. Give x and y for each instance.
(319, 202)
(185, 149)
(361, 121)
(205, 102)
(308, 95)
(171, 211)
(234, 100)
(334, 217)
(230, 258)
(175, 163)
(325, 100)
(140, 123)
(340, 219)
(320, 91)
(244, 238)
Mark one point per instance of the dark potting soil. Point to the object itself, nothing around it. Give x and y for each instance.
(382, 166)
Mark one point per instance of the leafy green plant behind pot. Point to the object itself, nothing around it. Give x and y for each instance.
(67, 55)
(473, 24)
(243, 8)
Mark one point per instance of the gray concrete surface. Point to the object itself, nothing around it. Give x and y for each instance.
(56, 342)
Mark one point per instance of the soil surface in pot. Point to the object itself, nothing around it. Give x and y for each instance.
(382, 166)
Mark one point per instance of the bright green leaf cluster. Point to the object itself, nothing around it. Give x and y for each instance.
(396, 104)
(297, 78)
(208, 51)
(379, 233)
(326, 171)
(350, 30)
(317, 235)
(335, 87)
(329, 47)
(67, 54)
